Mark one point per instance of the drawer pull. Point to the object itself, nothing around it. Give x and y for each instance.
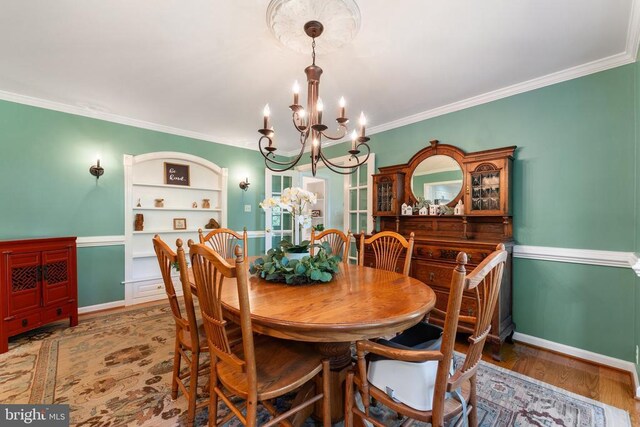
(159, 287)
(432, 276)
(25, 322)
(470, 311)
(58, 311)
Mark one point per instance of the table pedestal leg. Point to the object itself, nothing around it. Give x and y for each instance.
(339, 355)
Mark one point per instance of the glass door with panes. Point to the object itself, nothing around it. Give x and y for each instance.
(278, 222)
(357, 200)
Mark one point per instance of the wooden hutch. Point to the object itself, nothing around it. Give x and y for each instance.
(484, 186)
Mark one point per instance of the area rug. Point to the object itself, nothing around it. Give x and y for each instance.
(115, 370)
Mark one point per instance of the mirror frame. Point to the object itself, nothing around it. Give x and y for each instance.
(435, 149)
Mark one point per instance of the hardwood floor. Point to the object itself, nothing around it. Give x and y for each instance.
(601, 383)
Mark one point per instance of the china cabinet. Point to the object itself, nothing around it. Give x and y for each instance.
(38, 284)
(444, 174)
(387, 193)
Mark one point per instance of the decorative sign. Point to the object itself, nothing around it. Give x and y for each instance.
(175, 174)
(179, 223)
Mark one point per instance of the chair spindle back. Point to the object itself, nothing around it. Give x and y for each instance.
(168, 260)
(224, 240)
(387, 247)
(484, 282)
(209, 272)
(338, 241)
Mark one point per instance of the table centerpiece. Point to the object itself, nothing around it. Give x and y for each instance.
(276, 266)
(298, 202)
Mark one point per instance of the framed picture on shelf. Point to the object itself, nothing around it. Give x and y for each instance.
(316, 213)
(176, 174)
(179, 223)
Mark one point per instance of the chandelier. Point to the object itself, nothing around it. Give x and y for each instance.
(309, 125)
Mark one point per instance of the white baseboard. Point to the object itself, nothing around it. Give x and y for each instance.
(98, 307)
(579, 353)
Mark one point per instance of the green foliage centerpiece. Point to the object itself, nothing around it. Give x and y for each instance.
(275, 266)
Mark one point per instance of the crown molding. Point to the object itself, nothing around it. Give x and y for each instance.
(516, 89)
(533, 84)
(115, 118)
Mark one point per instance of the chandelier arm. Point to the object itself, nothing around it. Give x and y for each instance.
(276, 162)
(331, 167)
(358, 162)
(295, 117)
(337, 137)
(334, 167)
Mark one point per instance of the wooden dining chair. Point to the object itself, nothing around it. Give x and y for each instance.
(265, 368)
(338, 241)
(190, 339)
(224, 240)
(387, 247)
(449, 389)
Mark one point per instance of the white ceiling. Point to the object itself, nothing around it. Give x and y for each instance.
(206, 68)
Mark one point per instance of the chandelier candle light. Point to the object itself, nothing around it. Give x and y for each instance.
(309, 123)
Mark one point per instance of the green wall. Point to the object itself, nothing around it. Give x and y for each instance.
(574, 186)
(47, 190)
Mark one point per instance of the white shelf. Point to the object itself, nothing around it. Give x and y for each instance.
(167, 231)
(179, 209)
(180, 187)
(144, 255)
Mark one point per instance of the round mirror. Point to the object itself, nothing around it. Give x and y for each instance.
(438, 179)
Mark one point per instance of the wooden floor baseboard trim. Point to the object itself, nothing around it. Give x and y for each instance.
(578, 353)
(100, 307)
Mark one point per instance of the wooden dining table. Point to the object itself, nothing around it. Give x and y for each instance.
(359, 303)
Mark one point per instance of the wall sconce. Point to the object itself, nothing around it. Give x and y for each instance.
(96, 170)
(244, 185)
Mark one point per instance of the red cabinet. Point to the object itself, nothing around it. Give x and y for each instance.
(38, 284)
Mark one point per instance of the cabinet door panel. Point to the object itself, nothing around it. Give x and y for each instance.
(24, 283)
(56, 276)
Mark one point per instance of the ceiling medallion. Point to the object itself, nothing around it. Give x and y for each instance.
(309, 125)
(341, 20)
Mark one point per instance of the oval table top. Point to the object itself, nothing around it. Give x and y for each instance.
(359, 303)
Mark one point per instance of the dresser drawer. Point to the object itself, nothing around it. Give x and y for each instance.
(467, 307)
(23, 323)
(56, 312)
(449, 253)
(432, 274)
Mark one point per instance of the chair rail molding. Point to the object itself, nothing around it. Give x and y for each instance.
(579, 256)
(97, 241)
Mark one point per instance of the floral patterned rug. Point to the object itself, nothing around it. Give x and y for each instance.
(115, 370)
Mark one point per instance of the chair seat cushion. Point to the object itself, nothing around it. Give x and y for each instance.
(282, 366)
(411, 383)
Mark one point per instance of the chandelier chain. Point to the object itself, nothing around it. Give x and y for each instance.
(313, 51)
